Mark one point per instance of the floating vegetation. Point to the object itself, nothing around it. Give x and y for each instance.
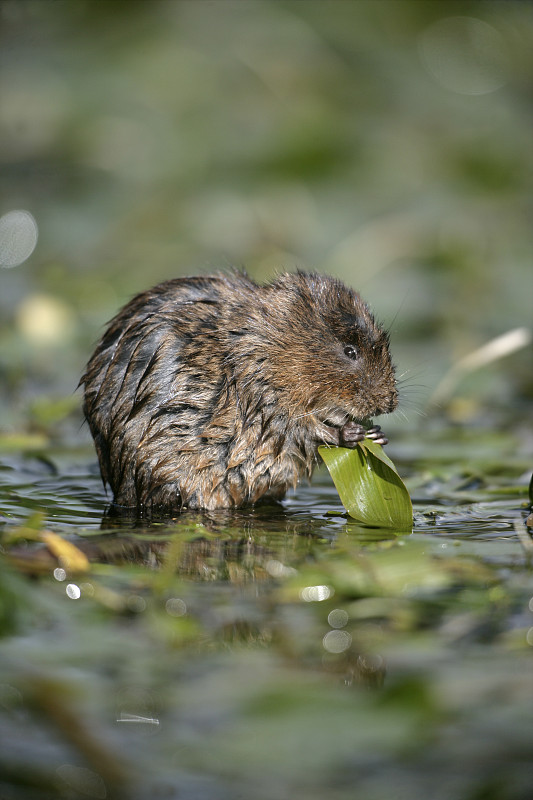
(369, 485)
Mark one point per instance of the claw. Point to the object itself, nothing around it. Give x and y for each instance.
(353, 432)
(376, 434)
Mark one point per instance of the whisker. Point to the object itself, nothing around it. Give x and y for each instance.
(311, 413)
(409, 374)
(388, 326)
(401, 413)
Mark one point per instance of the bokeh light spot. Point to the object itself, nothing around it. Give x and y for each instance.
(370, 662)
(337, 641)
(18, 237)
(314, 594)
(338, 618)
(465, 55)
(175, 607)
(73, 591)
(277, 569)
(136, 603)
(44, 319)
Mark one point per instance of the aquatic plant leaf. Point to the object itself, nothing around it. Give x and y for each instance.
(369, 485)
(68, 555)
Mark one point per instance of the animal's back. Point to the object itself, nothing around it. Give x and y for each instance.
(148, 394)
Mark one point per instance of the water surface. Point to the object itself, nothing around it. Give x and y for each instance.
(282, 651)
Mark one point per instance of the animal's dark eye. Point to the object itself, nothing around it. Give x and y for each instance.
(350, 351)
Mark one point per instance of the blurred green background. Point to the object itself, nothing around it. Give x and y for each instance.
(388, 143)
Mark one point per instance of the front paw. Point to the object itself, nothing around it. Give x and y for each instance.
(351, 434)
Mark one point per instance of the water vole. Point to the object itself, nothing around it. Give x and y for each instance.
(212, 392)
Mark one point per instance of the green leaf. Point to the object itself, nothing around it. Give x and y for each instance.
(369, 485)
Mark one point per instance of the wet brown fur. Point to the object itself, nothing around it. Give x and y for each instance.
(212, 392)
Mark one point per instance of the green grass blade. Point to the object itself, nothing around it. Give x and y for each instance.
(369, 485)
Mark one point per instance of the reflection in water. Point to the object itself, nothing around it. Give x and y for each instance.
(237, 577)
(220, 580)
(296, 579)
